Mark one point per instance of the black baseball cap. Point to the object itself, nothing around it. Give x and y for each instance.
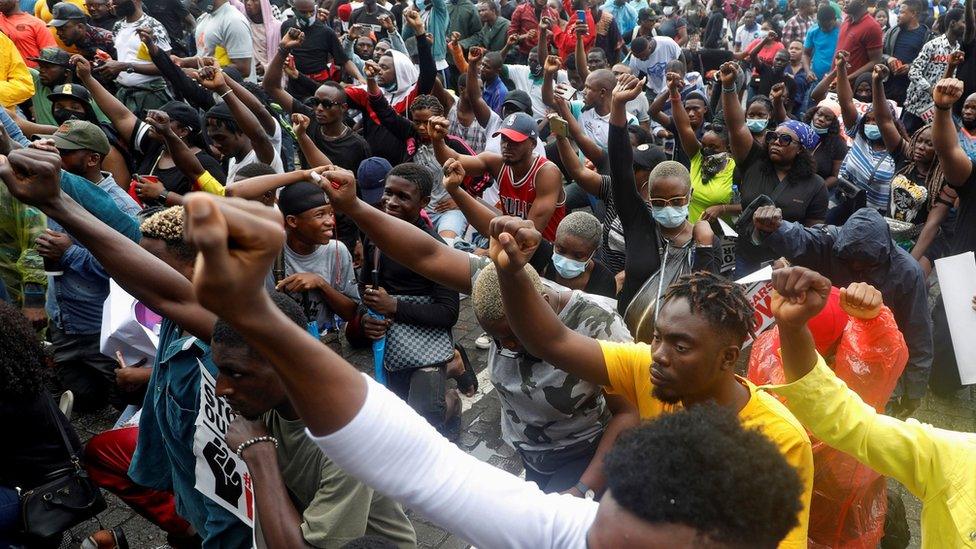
(520, 100)
(64, 12)
(648, 156)
(518, 127)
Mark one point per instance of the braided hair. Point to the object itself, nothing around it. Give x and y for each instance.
(935, 178)
(427, 102)
(723, 302)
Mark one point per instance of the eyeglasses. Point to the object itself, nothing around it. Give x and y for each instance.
(783, 139)
(665, 202)
(326, 103)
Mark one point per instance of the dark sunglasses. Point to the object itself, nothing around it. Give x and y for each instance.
(783, 139)
(326, 103)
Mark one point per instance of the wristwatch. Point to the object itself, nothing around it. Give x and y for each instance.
(585, 490)
(163, 195)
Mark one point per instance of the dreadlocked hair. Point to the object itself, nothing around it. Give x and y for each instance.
(167, 226)
(427, 102)
(720, 300)
(935, 178)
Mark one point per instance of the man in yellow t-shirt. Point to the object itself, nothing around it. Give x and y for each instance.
(701, 325)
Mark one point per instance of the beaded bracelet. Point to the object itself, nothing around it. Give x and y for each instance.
(251, 441)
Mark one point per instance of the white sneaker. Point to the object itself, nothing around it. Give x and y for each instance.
(483, 341)
(67, 403)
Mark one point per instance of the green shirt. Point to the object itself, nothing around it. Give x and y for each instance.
(336, 508)
(718, 190)
(491, 38)
(42, 105)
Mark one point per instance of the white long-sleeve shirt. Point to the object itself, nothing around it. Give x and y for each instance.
(396, 452)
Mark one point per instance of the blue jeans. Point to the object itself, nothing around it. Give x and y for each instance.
(451, 220)
(9, 513)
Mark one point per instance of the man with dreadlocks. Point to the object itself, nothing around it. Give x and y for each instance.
(702, 323)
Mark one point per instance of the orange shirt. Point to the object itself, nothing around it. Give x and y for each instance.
(28, 33)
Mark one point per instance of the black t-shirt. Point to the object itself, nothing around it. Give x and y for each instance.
(35, 448)
(830, 149)
(768, 77)
(362, 17)
(321, 45)
(964, 235)
(800, 200)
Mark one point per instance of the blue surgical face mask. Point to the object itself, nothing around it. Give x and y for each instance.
(821, 131)
(872, 132)
(756, 125)
(670, 216)
(568, 268)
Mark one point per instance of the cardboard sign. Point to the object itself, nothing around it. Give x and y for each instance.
(759, 290)
(728, 237)
(220, 474)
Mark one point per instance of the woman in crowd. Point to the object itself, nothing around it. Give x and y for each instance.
(759, 116)
(645, 158)
(832, 149)
(40, 451)
(870, 164)
(573, 265)
(680, 246)
(712, 169)
(781, 170)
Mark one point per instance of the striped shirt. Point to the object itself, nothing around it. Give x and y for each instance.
(869, 169)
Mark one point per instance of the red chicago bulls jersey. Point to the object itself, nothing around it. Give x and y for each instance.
(516, 197)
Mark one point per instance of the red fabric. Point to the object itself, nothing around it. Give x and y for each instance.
(524, 20)
(828, 326)
(360, 98)
(858, 38)
(107, 459)
(766, 54)
(565, 39)
(849, 499)
(516, 197)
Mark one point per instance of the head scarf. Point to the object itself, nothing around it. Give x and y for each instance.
(406, 79)
(808, 137)
(272, 29)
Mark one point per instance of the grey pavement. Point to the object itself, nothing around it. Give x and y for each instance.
(481, 437)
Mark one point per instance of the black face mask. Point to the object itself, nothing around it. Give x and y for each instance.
(708, 151)
(125, 9)
(63, 115)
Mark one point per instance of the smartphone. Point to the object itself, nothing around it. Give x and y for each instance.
(566, 92)
(558, 126)
(581, 16)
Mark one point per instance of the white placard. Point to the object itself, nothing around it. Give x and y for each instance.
(220, 474)
(957, 280)
(759, 290)
(727, 229)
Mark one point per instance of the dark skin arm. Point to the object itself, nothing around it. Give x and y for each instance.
(776, 94)
(955, 163)
(273, 72)
(482, 112)
(682, 125)
(874, 57)
(800, 294)
(473, 165)
(581, 67)
(882, 114)
(532, 320)
(476, 212)
(586, 178)
(400, 241)
(313, 155)
(970, 23)
(624, 417)
(344, 306)
(590, 149)
(183, 157)
(122, 118)
(821, 89)
(213, 79)
(280, 521)
(33, 175)
(657, 105)
(254, 105)
(845, 95)
(740, 138)
(549, 70)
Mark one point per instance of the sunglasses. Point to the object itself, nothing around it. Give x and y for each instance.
(326, 103)
(783, 139)
(665, 202)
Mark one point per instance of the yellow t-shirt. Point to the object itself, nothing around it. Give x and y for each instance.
(42, 12)
(717, 191)
(629, 371)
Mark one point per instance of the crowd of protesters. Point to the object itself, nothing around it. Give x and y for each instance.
(260, 188)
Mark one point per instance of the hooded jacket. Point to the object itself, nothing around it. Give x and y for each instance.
(866, 240)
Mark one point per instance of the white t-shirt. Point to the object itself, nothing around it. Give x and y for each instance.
(233, 165)
(396, 452)
(522, 78)
(655, 65)
(128, 45)
(744, 36)
(225, 34)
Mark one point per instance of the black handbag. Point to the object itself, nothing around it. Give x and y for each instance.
(70, 499)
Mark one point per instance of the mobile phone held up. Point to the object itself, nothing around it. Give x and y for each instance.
(557, 125)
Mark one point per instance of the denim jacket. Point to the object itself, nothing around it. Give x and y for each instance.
(164, 457)
(75, 299)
